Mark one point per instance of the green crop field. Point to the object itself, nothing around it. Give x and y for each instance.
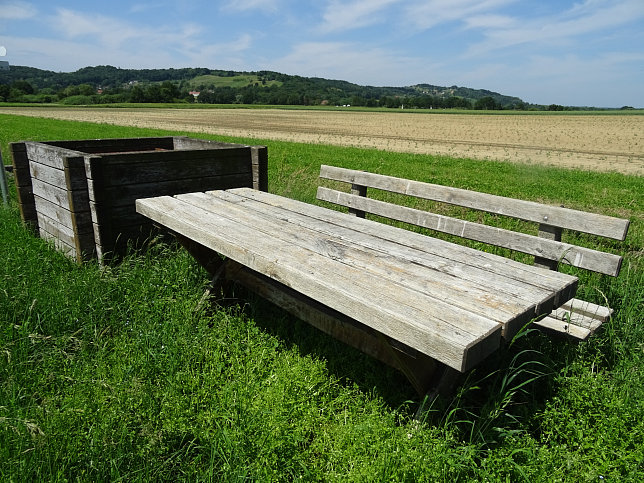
(123, 372)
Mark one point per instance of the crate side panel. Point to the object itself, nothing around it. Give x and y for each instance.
(187, 143)
(116, 145)
(47, 155)
(126, 195)
(22, 178)
(146, 167)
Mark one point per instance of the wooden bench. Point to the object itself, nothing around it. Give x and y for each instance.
(423, 305)
(575, 318)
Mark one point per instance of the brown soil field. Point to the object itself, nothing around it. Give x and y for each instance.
(589, 142)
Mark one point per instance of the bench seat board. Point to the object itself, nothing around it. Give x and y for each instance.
(513, 279)
(556, 326)
(374, 288)
(435, 284)
(331, 282)
(415, 268)
(588, 309)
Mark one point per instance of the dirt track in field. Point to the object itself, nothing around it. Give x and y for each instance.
(590, 142)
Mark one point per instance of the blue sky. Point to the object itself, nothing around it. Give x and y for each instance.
(585, 52)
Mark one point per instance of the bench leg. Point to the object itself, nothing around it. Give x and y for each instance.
(419, 368)
(214, 264)
(442, 384)
(428, 377)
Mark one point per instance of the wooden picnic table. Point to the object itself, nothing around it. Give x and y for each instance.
(423, 295)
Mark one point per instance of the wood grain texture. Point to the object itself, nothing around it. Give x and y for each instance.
(549, 249)
(418, 273)
(423, 297)
(524, 281)
(588, 309)
(560, 327)
(554, 233)
(259, 160)
(128, 168)
(399, 313)
(48, 155)
(601, 225)
(93, 146)
(60, 196)
(22, 178)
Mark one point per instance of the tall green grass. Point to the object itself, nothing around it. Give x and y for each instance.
(119, 373)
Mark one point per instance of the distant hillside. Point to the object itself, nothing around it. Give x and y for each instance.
(222, 86)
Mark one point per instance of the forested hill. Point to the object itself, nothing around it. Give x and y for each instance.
(113, 84)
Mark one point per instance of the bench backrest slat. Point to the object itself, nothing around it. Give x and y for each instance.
(592, 223)
(587, 258)
(547, 248)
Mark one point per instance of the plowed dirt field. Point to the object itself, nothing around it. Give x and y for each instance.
(591, 142)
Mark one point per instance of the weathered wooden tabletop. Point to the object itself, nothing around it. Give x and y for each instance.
(450, 302)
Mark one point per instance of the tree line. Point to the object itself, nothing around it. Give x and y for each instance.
(107, 84)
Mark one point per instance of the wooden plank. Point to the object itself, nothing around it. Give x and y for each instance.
(186, 143)
(3, 181)
(22, 178)
(525, 210)
(509, 286)
(56, 177)
(554, 233)
(79, 199)
(461, 292)
(125, 195)
(58, 244)
(589, 309)
(259, 157)
(361, 191)
(61, 214)
(332, 284)
(49, 155)
(83, 243)
(545, 248)
(507, 275)
(94, 146)
(376, 270)
(115, 216)
(576, 319)
(552, 325)
(121, 169)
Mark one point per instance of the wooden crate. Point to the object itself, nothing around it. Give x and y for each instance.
(81, 194)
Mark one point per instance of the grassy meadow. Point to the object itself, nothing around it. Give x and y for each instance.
(124, 373)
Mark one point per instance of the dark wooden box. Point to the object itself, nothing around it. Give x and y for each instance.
(81, 194)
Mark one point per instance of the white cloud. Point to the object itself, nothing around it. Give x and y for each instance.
(211, 53)
(603, 81)
(243, 5)
(70, 55)
(91, 39)
(144, 7)
(490, 22)
(17, 10)
(590, 17)
(113, 33)
(354, 62)
(430, 13)
(341, 15)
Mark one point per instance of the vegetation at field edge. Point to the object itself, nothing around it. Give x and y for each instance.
(162, 105)
(122, 373)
